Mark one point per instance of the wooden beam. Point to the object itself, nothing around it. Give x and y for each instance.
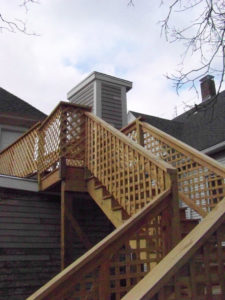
(49, 180)
(76, 227)
(75, 181)
(192, 205)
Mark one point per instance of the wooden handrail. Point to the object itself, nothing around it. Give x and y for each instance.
(152, 283)
(20, 158)
(130, 173)
(200, 157)
(35, 126)
(156, 160)
(64, 103)
(201, 179)
(101, 252)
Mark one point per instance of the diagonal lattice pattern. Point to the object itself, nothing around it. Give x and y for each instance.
(20, 158)
(62, 136)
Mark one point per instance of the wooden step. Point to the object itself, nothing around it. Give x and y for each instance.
(108, 205)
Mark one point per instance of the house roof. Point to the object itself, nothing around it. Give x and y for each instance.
(15, 108)
(201, 127)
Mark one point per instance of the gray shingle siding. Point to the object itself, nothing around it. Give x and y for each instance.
(84, 96)
(201, 127)
(112, 105)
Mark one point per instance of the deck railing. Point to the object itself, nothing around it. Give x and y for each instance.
(20, 158)
(130, 173)
(61, 136)
(78, 138)
(200, 178)
(117, 263)
(194, 269)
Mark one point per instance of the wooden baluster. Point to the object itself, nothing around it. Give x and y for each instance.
(104, 281)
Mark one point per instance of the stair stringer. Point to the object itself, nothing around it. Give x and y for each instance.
(114, 212)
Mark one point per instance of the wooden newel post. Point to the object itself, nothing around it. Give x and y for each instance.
(175, 215)
(140, 134)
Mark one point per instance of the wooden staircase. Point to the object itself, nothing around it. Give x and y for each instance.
(115, 213)
(137, 180)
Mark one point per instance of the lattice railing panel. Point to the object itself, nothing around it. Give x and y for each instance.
(73, 136)
(20, 158)
(62, 135)
(126, 266)
(128, 174)
(194, 269)
(203, 276)
(49, 142)
(200, 180)
(111, 271)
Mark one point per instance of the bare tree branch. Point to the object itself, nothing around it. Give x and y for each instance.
(203, 36)
(130, 3)
(17, 25)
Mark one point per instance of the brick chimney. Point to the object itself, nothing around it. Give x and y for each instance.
(208, 89)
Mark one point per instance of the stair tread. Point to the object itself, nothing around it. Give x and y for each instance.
(89, 178)
(107, 196)
(117, 207)
(98, 186)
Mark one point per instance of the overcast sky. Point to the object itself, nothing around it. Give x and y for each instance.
(77, 37)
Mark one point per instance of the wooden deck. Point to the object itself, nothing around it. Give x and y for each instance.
(137, 180)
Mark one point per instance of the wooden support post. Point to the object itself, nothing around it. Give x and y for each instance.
(175, 215)
(140, 134)
(62, 168)
(63, 225)
(66, 228)
(69, 227)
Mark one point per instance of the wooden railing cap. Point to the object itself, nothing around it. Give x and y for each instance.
(154, 159)
(21, 137)
(193, 153)
(61, 104)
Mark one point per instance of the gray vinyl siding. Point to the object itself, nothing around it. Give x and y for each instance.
(112, 105)
(29, 242)
(84, 96)
(30, 238)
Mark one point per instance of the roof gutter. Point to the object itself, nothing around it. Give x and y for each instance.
(214, 148)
